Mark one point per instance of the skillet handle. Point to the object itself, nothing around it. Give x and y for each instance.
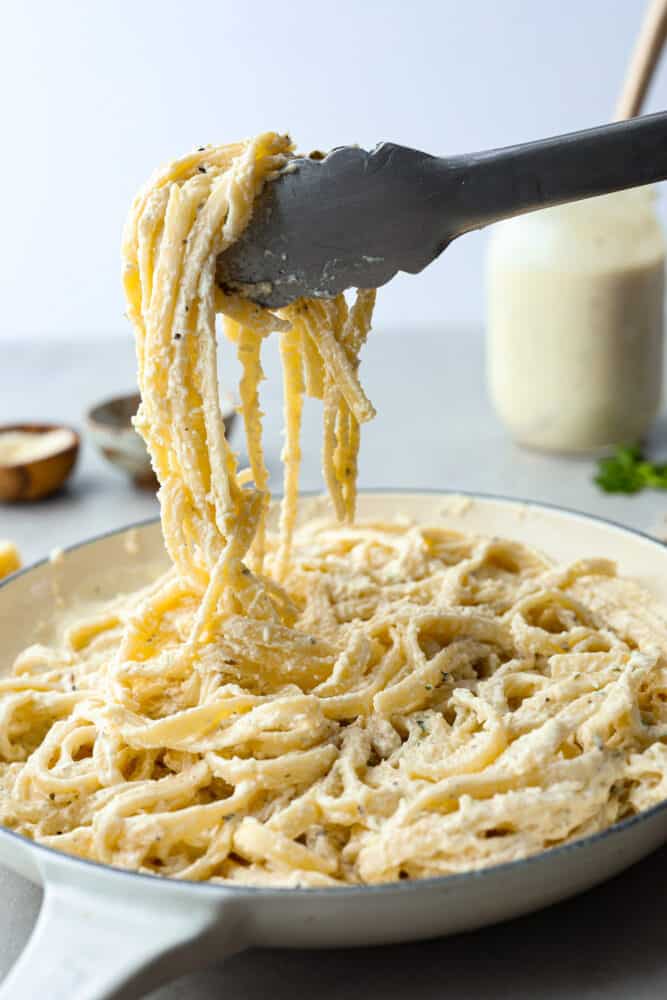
(87, 946)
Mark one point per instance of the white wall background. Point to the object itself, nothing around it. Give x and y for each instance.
(94, 95)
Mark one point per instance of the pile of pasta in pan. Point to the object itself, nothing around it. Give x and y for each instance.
(330, 703)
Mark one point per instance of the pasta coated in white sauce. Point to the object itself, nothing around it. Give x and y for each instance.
(329, 703)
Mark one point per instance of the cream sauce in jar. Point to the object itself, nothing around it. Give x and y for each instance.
(575, 322)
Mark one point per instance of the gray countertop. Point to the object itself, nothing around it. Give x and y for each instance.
(435, 429)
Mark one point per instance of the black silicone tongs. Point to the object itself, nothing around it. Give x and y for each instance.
(354, 218)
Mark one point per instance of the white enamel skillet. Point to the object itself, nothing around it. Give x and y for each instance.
(105, 933)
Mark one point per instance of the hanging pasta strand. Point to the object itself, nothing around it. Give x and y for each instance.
(342, 454)
(320, 320)
(290, 350)
(353, 337)
(248, 347)
(340, 446)
(312, 365)
(351, 467)
(331, 402)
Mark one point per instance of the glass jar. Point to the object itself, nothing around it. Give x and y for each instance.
(575, 322)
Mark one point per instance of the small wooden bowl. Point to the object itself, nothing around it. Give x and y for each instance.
(110, 426)
(37, 478)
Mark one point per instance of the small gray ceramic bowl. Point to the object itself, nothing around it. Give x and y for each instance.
(110, 426)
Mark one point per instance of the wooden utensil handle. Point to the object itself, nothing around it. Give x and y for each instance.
(644, 59)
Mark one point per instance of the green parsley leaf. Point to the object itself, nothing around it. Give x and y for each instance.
(627, 471)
